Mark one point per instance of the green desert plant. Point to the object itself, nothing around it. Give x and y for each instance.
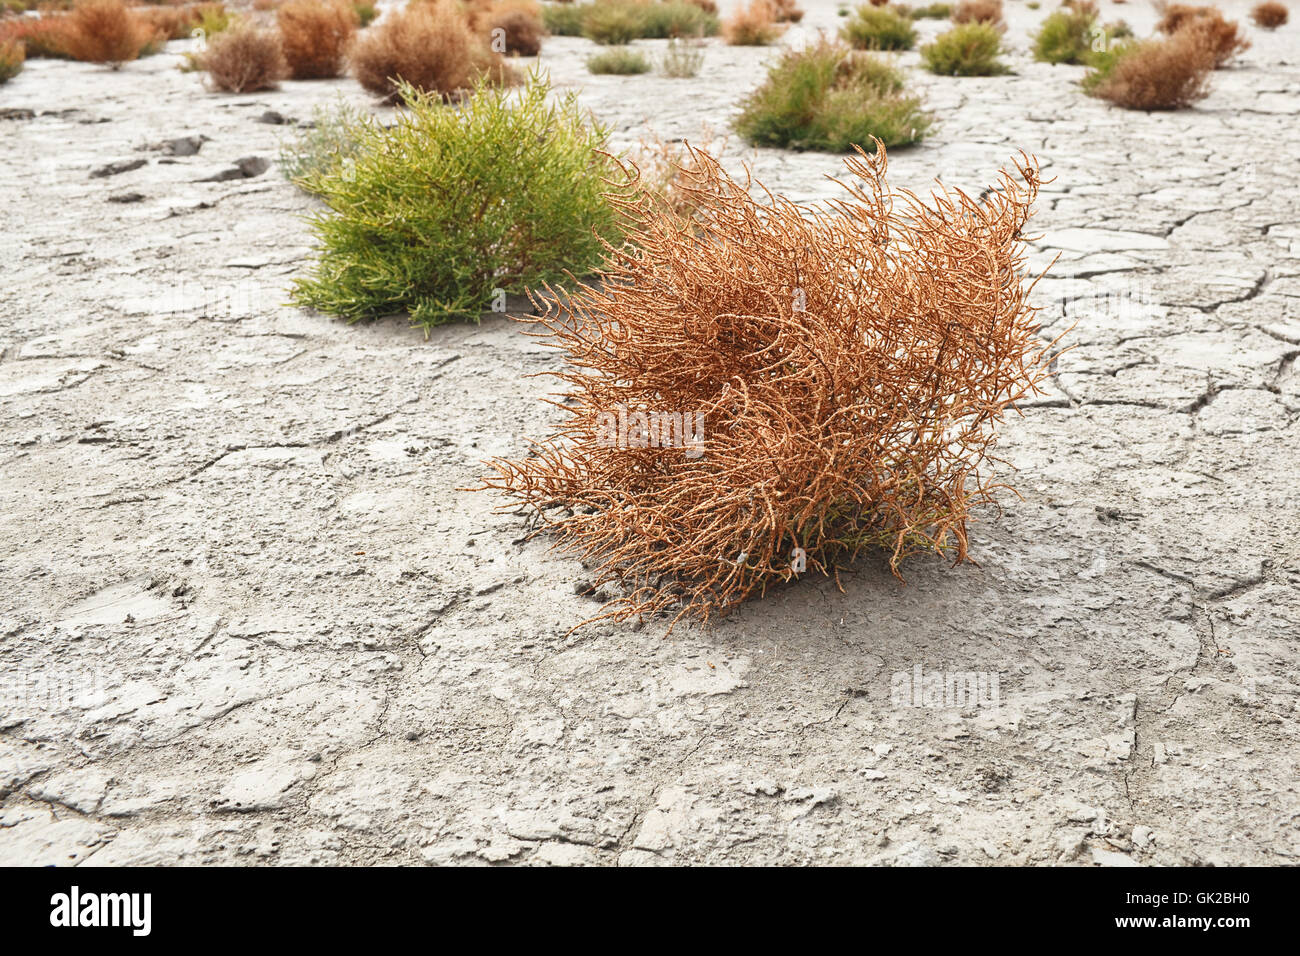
(327, 146)
(366, 13)
(969, 49)
(612, 23)
(682, 59)
(619, 61)
(879, 28)
(1067, 34)
(615, 22)
(12, 57)
(440, 213)
(676, 18)
(564, 19)
(828, 97)
(934, 11)
(214, 18)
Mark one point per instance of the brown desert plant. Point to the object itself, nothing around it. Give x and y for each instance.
(786, 11)
(105, 31)
(752, 25)
(783, 388)
(708, 6)
(428, 45)
(509, 26)
(40, 38)
(12, 57)
(244, 59)
(1222, 37)
(315, 36)
(1162, 74)
(178, 22)
(1176, 15)
(978, 11)
(1270, 15)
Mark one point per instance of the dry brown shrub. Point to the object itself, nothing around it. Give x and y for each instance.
(752, 25)
(1270, 15)
(315, 35)
(1175, 15)
(1167, 74)
(1221, 37)
(1207, 25)
(520, 23)
(41, 37)
(177, 22)
(978, 11)
(174, 23)
(850, 362)
(708, 6)
(104, 31)
(430, 46)
(243, 59)
(786, 11)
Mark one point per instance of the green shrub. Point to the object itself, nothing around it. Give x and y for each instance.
(440, 212)
(682, 59)
(935, 11)
(675, 18)
(366, 12)
(564, 19)
(615, 22)
(326, 147)
(969, 49)
(214, 19)
(612, 23)
(1103, 64)
(827, 97)
(879, 28)
(618, 61)
(1066, 35)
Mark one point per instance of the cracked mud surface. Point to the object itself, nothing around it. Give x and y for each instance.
(248, 617)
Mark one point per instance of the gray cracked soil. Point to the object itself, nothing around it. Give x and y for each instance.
(248, 617)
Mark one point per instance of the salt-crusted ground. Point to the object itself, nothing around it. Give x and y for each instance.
(247, 615)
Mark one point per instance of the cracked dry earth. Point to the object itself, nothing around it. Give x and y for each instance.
(247, 615)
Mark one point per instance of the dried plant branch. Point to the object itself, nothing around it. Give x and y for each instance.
(829, 380)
